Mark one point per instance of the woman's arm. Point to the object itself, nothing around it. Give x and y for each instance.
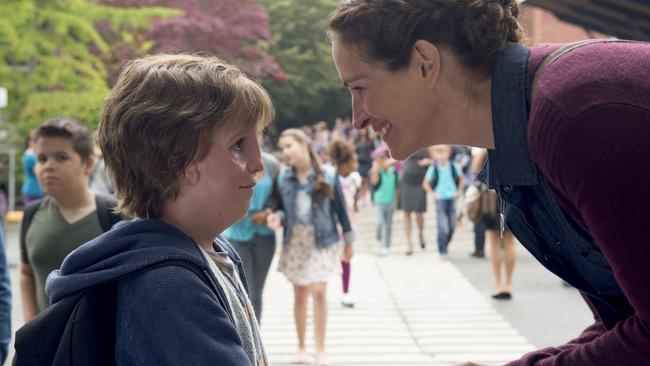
(598, 165)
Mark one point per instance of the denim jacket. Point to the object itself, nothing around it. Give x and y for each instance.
(562, 244)
(325, 213)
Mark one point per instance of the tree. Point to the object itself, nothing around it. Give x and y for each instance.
(235, 30)
(313, 90)
(49, 57)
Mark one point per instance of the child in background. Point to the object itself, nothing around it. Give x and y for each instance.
(343, 156)
(444, 180)
(70, 215)
(251, 238)
(384, 180)
(310, 205)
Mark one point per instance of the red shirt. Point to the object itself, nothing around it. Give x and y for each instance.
(589, 134)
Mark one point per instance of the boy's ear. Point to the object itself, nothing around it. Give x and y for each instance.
(191, 175)
(89, 165)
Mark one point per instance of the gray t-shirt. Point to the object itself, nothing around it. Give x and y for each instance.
(245, 322)
(50, 238)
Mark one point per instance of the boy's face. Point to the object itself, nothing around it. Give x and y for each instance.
(220, 186)
(59, 168)
(440, 152)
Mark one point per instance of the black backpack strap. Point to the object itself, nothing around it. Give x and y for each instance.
(454, 174)
(106, 211)
(434, 177)
(28, 216)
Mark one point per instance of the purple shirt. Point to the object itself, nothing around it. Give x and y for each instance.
(589, 134)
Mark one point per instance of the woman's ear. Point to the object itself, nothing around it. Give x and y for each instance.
(426, 57)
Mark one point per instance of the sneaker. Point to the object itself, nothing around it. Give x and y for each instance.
(346, 301)
(384, 251)
(443, 257)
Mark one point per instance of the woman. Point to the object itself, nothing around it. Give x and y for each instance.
(497, 243)
(310, 205)
(413, 198)
(569, 158)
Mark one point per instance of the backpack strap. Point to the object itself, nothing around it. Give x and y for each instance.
(566, 49)
(454, 173)
(106, 212)
(28, 216)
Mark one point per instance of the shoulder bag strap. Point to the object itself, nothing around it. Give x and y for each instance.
(565, 49)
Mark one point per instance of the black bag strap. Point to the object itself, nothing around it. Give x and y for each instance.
(106, 212)
(28, 216)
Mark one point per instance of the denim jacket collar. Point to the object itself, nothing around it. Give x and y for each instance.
(291, 174)
(510, 162)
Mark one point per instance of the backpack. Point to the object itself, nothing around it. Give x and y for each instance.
(105, 206)
(80, 328)
(434, 179)
(374, 187)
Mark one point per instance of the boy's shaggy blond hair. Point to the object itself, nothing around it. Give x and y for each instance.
(161, 117)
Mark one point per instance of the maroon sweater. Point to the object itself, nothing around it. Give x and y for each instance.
(589, 134)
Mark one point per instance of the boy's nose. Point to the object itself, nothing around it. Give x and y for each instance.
(255, 165)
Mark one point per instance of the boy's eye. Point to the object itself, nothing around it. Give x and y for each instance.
(61, 157)
(238, 145)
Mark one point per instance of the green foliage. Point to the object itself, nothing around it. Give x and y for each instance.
(313, 90)
(51, 57)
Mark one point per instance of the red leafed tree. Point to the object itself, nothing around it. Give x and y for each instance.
(235, 30)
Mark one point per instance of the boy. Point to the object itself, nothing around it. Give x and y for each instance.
(383, 178)
(178, 133)
(68, 216)
(444, 180)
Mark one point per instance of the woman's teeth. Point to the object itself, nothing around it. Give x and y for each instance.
(384, 130)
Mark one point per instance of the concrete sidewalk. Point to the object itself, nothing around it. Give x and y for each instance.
(410, 310)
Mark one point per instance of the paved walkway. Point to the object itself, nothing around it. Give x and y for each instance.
(415, 310)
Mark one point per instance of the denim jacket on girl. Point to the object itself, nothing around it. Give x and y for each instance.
(325, 213)
(562, 244)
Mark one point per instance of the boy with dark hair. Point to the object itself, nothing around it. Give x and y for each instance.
(68, 216)
(178, 133)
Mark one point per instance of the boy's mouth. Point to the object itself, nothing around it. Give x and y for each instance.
(248, 186)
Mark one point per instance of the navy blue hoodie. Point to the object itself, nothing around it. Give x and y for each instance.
(165, 316)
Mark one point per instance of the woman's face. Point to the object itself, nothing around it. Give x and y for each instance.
(394, 103)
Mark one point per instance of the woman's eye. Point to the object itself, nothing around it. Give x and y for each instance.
(357, 89)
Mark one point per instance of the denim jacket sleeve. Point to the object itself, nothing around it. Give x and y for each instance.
(339, 206)
(169, 316)
(5, 299)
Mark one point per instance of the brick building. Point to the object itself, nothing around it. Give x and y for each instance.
(543, 26)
